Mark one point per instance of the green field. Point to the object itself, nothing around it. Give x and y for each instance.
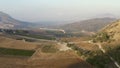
(17, 52)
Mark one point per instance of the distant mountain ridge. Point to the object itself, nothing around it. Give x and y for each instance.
(7, 22)
(88, 25)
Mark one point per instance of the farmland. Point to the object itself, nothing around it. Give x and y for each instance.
(17, 52)
(37, 54)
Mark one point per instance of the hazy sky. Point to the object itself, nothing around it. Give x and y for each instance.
(58, 10)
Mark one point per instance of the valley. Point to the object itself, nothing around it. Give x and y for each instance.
(77, 45)
(48, 53)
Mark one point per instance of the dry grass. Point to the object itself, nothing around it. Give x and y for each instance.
(81, 42)
(16, 44)
(111, 45)
(19, 44)
(75, 39)
(87, 46)
(59, 60)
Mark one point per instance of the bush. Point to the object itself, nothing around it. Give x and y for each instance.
(98, 59)
(101, 37)
(115, 53)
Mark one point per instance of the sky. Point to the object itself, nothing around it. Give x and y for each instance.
(59, 10)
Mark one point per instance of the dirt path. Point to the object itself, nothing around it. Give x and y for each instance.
(115, 62)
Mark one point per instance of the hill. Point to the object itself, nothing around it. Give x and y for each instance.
(108, 41)
(7, 22)
(112, 30)
(88, 25)
(109, 33)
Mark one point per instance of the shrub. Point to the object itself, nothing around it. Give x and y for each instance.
(101, 37)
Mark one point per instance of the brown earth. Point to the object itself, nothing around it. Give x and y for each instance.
(82, 42)
(59, 59)
(6, 42)
(16, 44)
(66, 59)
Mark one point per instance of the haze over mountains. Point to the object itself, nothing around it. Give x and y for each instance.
(46, 33)
(7, 22)
(88, 25)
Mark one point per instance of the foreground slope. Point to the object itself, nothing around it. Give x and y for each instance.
(107, 39)
(113, 30)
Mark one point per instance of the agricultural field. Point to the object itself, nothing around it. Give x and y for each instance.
(42, 54)
(22, 62)
(16, 52)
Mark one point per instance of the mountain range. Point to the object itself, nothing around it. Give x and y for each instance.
(7, 22)
(91, 25)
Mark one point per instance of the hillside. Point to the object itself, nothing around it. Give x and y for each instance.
(112, 30)
(88, 25)
(107, 40)
(109, 33)
(7, 22)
